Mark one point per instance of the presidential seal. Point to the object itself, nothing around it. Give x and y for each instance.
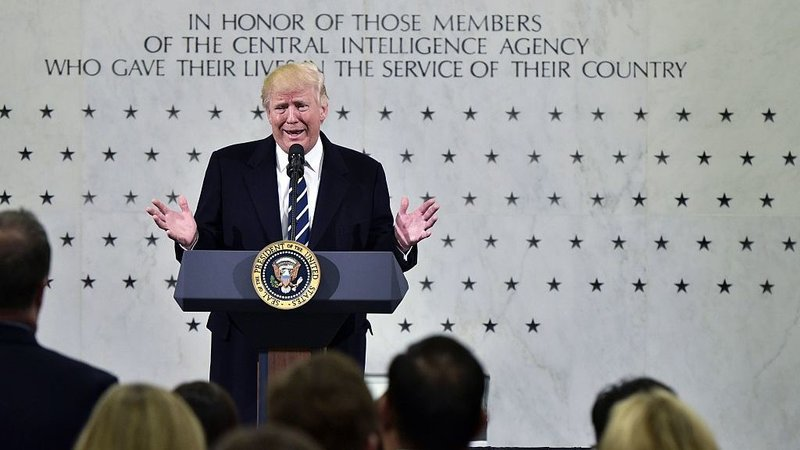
(286, 274)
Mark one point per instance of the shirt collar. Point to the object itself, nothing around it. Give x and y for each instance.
(313, 158)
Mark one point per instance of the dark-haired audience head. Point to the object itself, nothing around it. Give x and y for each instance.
(435, 397)
(617, 392)
(24, 266)
(212, 405)
(655, 419)
(326, 397)
(141, 417)
(270, 436)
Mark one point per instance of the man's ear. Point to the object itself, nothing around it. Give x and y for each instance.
(385, 414)
(483, 422)
(38, 298)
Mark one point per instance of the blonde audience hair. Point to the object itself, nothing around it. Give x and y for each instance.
(656, 420)
(141, 417)
(294, 76)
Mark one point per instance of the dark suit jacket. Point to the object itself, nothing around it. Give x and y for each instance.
(45, 397)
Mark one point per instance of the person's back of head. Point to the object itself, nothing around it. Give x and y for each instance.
(141, 417)
(617, 392)
(655, 420)
(326, 397)
(24, 262)
(269, 436)
(435, 395)
(212, 405)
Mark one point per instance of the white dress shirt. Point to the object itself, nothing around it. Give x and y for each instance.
(311, 173)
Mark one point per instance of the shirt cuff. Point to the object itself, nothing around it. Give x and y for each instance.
(194, 242)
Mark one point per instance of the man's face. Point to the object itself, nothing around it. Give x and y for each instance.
(296, 117)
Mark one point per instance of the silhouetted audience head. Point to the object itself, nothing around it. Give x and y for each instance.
(619, 391)
(24, 265)
(655, 420)
(267, 437)
(326, 397)
(141, 417)
(212, 405)
(435, 397)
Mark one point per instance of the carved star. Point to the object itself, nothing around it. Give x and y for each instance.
(215, 113)
(49, 283)
(171, 282)
(129, 282)
(88, 111)
(598, 115)
(638, 200)
(619, 157)
(405, 326)
(109, 154)
(704, 243)
(66, 239)
(576, 242)
(534, 157)
(67, 154)
(406, 156)
(448, 241)
(724, 286)
(596, 285)
(448, 157)
(5, 198)
(533, 326)
(130, 112)
(726, 115)
(788, 244)
(470, 114)
(151, 240)
(619, 243)
(491, 157)
(661, 243)
(747, 158)
(769, 115)
(554, 199)
(766, 200)
(25, 154)
(109, 240)
(385, 113)
(151, 155)
(468, 284)
(47, 197)
(130, 197)
(789, 159)
(511, 285)
(683, 115)
(193, 325)
(682, 285)
(554, 284)
(469, 199)
(533, 242)
(512, 114)
(47, 112)
(426, 284)
(489, 326)
(576, 157)
(88, 197)
(746, 244)
(640, 115)
(638, 286)
(88, 282)
(490, 241)
(427, 114)
(194, 155)
(597, 199)
(342, 113)
(172, 197)
(724, 200)
(426, 197)
(173, 112)
(511, 199)
(258, 113)
(5, 111)
(447, 325)
(555, 114)
(662, 157)
(766, 288)
(682, 200)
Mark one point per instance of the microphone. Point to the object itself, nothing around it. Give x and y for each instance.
(297, 161)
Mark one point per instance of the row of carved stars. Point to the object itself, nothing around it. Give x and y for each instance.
(511, 199)
(405, 326)
(449, 157)
(469, 284)
(386, 114)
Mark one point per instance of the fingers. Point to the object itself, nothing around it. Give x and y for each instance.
(429, 209)
(162, 208)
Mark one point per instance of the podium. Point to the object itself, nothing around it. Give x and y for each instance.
(351, 282)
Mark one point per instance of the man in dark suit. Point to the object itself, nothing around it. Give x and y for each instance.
(243, 206)
(45, 397)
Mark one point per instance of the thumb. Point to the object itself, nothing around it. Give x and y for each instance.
(184, 204)
(403, 205)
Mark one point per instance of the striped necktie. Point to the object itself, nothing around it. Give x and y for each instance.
(303, 225)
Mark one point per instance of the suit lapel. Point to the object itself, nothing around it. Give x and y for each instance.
(332, 189)
(262, 185)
